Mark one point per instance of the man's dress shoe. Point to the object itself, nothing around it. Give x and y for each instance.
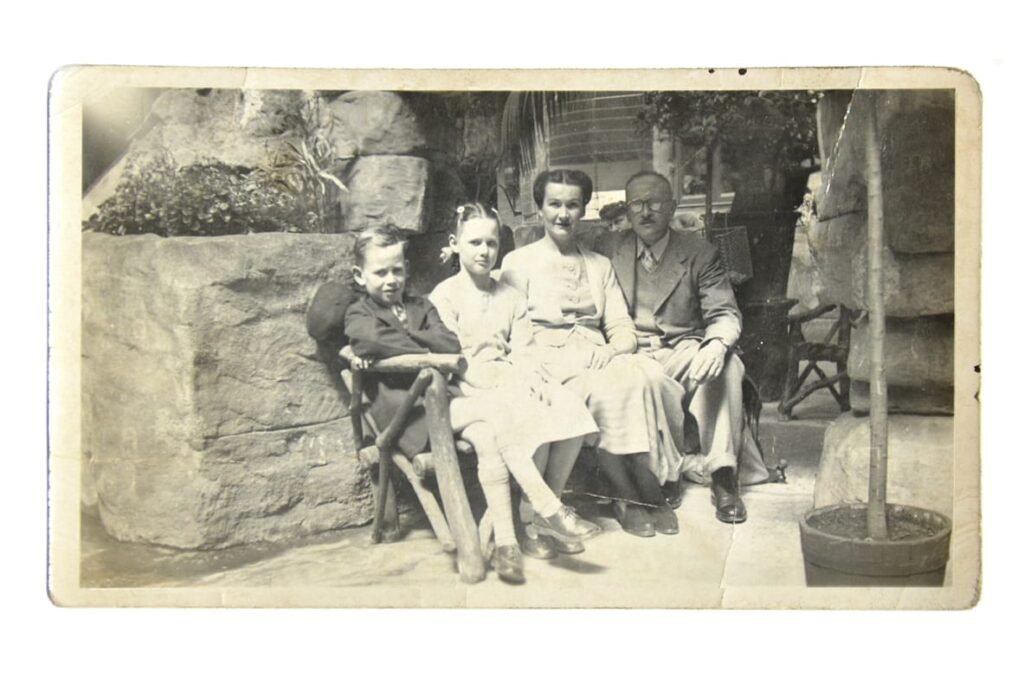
(725, 495)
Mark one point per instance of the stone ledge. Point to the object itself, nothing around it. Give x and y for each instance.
(918, 352)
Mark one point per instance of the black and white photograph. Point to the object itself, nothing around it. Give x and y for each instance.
(306, 325)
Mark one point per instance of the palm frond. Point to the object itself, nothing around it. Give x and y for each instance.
(525, 124)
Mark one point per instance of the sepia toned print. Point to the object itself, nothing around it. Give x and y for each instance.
(701, 339)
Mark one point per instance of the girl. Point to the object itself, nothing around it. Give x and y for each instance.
(539, 427)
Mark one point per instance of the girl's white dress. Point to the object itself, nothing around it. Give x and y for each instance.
(497, 340)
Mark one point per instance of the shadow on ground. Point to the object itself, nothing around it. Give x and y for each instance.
(765, 551)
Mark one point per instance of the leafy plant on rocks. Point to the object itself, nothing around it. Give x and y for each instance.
(298, 190)
(203, 199)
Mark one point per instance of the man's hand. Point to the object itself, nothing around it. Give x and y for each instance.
(600, 357)
(709, 362)
(352, 359)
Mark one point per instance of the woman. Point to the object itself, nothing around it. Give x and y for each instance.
(587, 342)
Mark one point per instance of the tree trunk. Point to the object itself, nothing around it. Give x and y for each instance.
(877, 528)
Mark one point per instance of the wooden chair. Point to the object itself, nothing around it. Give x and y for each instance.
(834, 348)
(453, 525)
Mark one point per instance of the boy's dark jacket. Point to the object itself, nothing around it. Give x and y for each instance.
(374, 332)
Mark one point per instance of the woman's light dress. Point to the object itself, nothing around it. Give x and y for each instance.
(576, 306)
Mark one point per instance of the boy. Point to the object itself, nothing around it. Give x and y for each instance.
(386, 322)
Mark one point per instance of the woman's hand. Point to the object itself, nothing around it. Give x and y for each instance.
(539, 388)
(353, 360)
(601, 356)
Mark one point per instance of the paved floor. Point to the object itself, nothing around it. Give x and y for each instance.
(616, 570)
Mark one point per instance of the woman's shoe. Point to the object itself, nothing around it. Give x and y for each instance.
(565, 525)
(665, 521)
(507, 561)
(634, 520)
(673, 493)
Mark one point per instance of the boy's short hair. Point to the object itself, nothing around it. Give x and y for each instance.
(377, 236)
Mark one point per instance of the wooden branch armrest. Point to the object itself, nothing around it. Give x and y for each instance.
(387, 438)
(446, 363)
(811, 315)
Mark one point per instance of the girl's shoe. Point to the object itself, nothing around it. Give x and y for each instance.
(565, 525)
(569, 548)
(507, 561)
(538, 546)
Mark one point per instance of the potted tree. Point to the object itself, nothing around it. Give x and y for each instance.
(877, 543)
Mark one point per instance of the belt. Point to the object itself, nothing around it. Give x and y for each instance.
(654, 342)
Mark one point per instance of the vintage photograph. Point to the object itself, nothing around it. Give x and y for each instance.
(667, 339)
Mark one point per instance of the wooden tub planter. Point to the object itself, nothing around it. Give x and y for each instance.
(838, 551)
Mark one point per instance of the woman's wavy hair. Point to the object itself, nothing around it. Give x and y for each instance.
(569, 177)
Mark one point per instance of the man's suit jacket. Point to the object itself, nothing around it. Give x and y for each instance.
(696, 301)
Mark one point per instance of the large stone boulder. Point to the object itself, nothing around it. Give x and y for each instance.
(377, 123)
(915, 284)
(207, 420)
(918, 146)
(388, 189)
(244, 128)
(842, 189)
(903, 399)
(920, 469)
(918, 152)
(918, 351)
(917, 141)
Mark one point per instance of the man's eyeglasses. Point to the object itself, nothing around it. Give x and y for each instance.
(637, 206)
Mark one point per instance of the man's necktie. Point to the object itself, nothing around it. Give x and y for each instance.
(647, 260)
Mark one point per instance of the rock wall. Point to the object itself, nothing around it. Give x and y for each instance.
(916, 130)
(207, 420)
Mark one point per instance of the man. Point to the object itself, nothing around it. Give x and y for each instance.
(686, 316)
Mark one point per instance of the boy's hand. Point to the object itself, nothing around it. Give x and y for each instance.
(353, 360)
